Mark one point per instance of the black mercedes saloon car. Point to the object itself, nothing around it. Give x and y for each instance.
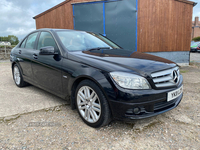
(99, 78)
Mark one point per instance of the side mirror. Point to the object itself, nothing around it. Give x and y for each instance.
(48, 50)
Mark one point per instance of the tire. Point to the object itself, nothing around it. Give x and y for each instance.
(17, 76)
(93, 108)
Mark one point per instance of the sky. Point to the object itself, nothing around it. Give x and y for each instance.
(16, 16)
(196, 9)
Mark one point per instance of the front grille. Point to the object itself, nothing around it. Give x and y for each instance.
(166, 78)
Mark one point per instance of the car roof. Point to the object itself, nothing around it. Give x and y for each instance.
(53, 29)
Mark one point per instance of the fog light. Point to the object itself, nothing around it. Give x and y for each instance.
(136, 110)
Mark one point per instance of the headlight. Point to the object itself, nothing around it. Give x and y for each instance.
(130, 81)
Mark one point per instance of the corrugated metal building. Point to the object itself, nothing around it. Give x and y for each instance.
(159, 27)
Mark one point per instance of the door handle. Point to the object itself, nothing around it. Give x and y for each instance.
(20, 51)
(35, 56)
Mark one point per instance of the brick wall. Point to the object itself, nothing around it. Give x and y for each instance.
(196, 28)
(196, 32)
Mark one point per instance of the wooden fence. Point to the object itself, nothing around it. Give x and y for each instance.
(5, 52)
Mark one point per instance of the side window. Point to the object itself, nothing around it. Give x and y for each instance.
(31, 41)
(46, 39)
(23, 43)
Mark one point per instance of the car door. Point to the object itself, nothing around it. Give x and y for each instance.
(24, 55)
(47, 68)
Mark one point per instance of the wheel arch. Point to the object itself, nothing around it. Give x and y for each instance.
(76, 83)
(15, 63)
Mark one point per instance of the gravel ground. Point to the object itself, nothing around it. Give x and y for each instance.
(62, 128)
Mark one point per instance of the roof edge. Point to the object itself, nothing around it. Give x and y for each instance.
(187, 2)
(66, 1)
(94, 1)
(62, 3)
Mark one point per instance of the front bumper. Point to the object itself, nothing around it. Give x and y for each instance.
(193, 49)
(149, 103)
(126, 112)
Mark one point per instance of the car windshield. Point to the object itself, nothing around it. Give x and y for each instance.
(195, 44)
(82, 41)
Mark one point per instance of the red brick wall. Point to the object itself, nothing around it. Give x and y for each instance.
(196, 28)
(196, 32)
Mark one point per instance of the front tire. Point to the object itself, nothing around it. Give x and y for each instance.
(17, 76)
(92, 105)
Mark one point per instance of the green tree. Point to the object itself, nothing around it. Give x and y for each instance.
(3, 38)
(10, 38)
(13, 39)
(196, 39)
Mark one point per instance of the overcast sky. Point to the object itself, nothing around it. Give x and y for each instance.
(16, 16)
(196, 10)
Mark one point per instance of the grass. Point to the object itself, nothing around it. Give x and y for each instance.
(12, 46)
(184, 71)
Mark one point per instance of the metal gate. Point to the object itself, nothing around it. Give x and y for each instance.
(116, 19)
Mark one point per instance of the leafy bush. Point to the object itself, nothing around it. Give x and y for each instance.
(196, 39)
(12, 46)
(1, 46)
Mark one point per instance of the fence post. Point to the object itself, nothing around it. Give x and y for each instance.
(5, 52)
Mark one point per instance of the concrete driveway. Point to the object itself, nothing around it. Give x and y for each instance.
(195, 57)
(15, 101)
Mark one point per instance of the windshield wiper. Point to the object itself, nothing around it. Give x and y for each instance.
(98, 48)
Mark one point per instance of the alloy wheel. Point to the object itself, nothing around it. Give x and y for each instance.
(17, 76)
(88, 104)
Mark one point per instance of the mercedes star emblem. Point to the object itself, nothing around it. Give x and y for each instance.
(175, 76)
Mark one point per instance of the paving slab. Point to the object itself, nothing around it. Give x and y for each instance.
(16, 101)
